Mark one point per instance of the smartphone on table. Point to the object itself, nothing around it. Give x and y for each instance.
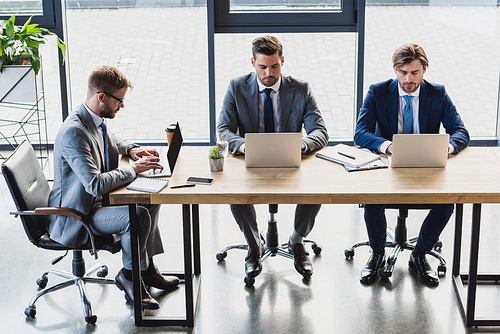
(199, 180)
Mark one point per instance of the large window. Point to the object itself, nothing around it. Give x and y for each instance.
(285, 5)
(41, 10)
(463, 47)
(163, 52)
(162, 48)
(21, 6)
(327, 61)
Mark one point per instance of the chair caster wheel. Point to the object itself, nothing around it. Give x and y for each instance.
(91, 320)
(249, 281)
(438, 245)
(441, 270)
(30, 311)
(103, 272)
(221, 256)
(316, 249)
(42, 282)
(349, 253)
(385, 275)
(306, 277)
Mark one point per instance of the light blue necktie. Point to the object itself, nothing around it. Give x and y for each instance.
(268, 111)
(408, 117)
(105, 137)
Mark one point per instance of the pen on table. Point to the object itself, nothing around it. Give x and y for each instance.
(347, 155)
(183, 185)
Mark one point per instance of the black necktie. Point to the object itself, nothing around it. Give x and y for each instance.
(105, 137)
(268, 111)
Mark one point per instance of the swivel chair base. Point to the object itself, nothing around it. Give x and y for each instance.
(79, 277)
(271, 245)
(399, 241)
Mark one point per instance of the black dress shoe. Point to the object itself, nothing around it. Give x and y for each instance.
(423, 269)
(159, 281)
(371, 270)
(301, 260)
(253, 264)
(148, 302)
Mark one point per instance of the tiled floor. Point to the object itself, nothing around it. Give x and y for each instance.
(334, 301)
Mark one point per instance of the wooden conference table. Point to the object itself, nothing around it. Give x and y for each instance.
(473, 176)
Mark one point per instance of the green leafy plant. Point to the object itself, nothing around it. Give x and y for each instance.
(215, 153)
(20, 45)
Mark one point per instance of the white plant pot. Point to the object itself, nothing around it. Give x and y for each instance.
(19, 84)
(216, 165)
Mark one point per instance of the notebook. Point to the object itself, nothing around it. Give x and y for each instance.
(350, 156)
(273, 149)
(419, 150)
(152, 185)
(169, 160)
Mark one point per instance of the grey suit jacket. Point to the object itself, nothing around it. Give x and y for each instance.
(80, 179)
(240, 111)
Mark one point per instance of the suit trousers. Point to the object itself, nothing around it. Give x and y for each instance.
(246, 218)
(115, 220)
(433, 225)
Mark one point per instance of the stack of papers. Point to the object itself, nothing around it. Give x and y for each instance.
(352, 158)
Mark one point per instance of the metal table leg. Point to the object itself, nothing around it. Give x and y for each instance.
(191, 290)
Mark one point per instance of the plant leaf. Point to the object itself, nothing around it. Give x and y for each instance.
(35, 63)
(9, 27)
(62, 46)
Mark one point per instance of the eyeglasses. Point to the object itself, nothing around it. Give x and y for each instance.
(117, 99)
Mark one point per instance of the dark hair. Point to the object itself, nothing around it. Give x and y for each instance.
(107, 79)
(267, 45)
(407, 53)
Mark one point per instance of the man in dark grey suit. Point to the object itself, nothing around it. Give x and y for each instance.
(267, 101)
(86, 170)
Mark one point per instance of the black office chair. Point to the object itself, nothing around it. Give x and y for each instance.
(399, 241)
(30, 191)
(272, 247)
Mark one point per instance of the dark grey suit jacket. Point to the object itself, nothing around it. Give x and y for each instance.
(79, 176)
(240, 111)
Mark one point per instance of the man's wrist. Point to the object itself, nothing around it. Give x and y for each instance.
(303, 146)
(129, 148)
(383, 147)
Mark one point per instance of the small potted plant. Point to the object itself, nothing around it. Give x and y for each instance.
(216, 158)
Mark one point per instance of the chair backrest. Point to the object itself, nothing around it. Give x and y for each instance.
(29, 188)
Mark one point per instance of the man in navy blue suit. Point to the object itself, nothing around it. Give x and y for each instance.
(408, 104)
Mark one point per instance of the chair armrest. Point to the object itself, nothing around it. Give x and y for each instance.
(60, 211)
(47, 211)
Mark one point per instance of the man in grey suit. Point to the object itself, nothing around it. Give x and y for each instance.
(267, 101)
(86, 170)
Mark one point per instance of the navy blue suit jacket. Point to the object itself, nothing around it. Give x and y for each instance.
(378, 118)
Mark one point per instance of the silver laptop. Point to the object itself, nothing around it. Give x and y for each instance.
(273, 149)
(419, 150)
(169, 160)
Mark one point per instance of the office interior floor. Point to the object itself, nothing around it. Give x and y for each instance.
(333, 301)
